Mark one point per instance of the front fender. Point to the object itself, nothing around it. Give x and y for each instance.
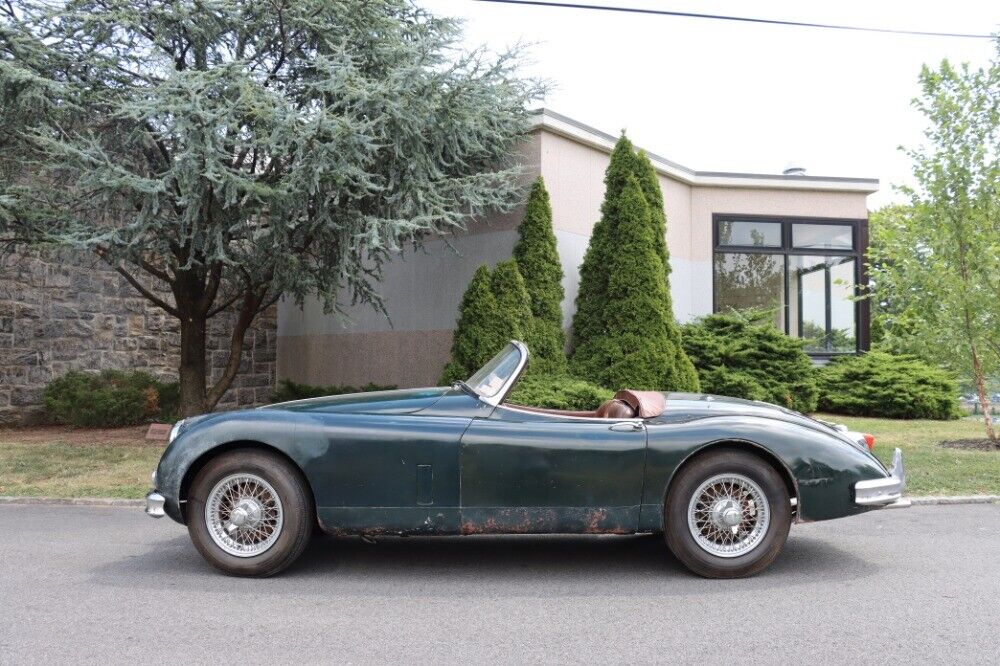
(270, 428)
(823, 467)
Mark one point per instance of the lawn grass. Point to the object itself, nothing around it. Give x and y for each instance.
(932, 469)
(65, 462)
(76, 463)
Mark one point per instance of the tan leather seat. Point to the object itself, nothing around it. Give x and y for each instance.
(615, 409)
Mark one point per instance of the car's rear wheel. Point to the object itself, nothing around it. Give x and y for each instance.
(249, 513)
(727, 514)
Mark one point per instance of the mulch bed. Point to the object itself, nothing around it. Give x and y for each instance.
(971, 445)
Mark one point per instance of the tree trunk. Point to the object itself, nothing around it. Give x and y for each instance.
(984, 401)
(192, 369)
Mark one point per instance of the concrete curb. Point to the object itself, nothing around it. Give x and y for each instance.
(956, 499)
(131, 503)
(73, 501)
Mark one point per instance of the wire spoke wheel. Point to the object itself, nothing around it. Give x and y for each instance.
(244, 515)
(728, 515)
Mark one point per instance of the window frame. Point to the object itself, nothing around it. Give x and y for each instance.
(859, 233)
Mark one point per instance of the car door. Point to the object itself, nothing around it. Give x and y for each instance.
(385, 474)
(523, 472)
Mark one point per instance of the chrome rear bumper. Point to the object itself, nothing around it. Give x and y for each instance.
(154, 504)
(886, 492)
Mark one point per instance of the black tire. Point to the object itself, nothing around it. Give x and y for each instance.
(298, 513)
(675, 514)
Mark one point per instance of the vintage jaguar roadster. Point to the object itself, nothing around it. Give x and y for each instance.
(722, 479)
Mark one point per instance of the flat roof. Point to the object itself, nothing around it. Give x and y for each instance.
(577, 131)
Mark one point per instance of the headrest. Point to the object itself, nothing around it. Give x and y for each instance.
(647, 404)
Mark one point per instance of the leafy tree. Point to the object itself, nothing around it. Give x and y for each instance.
(513, 303)
(636, 350)
(938, 261)
(742, 355)
(222, 153)
(538, 261)
(479, 334)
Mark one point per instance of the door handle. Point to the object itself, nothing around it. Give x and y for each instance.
(626, 426)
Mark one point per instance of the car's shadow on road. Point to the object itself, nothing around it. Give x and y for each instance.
(486, 565)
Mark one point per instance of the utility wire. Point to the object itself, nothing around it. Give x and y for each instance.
(743, 19)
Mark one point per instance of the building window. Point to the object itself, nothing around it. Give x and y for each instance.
(804, 271)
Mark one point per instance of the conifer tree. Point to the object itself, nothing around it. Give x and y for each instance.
(636, 349)
(537, 260)
(592, 297)
(479, 334)
(513, 303)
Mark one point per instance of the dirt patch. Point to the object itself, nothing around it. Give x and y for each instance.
(77, 436)
(971, 445)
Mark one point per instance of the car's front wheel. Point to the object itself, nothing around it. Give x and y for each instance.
(727, 514)
(249, 513)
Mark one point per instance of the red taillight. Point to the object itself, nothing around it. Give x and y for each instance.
(870, 441)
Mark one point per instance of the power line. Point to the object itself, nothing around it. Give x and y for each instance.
(743, 19)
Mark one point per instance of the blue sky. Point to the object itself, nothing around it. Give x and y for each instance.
(736, 97)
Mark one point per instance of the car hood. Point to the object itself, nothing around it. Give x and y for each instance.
(402, 401)
(700, 405)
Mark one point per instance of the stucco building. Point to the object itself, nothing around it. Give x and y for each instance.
(791, 243)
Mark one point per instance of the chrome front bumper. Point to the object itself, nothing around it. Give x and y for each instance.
(154, 504)
(887, 492)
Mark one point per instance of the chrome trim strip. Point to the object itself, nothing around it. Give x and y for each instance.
(154, 504)
(886, 491)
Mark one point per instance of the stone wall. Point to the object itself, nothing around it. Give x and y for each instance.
(66, 310)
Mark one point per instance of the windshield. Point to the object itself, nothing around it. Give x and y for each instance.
(490, 379)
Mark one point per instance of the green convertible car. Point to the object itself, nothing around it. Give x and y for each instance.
(722, 479)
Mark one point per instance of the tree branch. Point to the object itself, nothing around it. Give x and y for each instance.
(251, 303)
(147, 293)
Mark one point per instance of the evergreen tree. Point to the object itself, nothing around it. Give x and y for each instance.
(680, 375)
(227, 154)
(650, 184)
(513, 303)
(636, 350)
(538, 261)
(595, 304)
(479, 334)
(592, 297)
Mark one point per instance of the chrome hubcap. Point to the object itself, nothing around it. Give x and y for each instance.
(244, 515)
(728, 515)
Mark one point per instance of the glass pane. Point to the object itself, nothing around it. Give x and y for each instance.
(490, 378)
(823, 236)
(749, 233)
(820, 309)
(843, 326)
(744, 281)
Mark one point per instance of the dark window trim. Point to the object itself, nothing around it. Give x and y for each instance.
(859, 233)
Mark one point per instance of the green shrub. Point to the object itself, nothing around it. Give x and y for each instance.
(741, 356)
(887, 386)
(288, 390)
(558, 392)
(111, 399)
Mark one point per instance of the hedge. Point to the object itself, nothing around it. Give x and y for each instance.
(743, 356)
(558, 392)
(110, 399)
(887, 386)
(288, 390)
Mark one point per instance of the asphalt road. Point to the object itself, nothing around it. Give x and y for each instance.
(108, 585)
